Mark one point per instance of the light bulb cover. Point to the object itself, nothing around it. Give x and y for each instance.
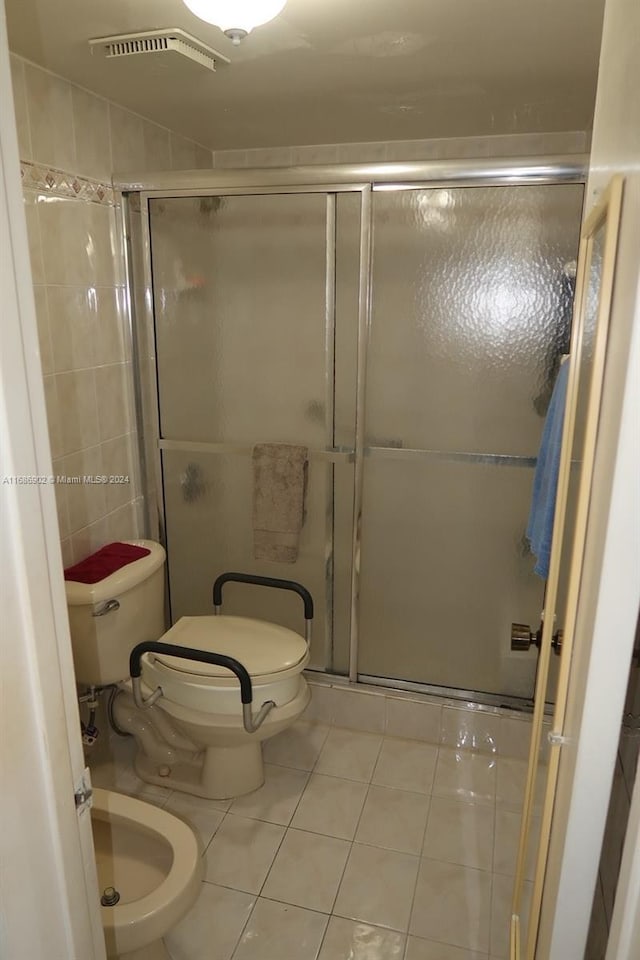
(236, 15)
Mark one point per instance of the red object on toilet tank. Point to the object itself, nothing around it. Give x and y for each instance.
(104, 562)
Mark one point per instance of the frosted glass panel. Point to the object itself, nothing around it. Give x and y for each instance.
(444, 572)
(585, 377)
(471, 309)
(239, 290)
(208, 517)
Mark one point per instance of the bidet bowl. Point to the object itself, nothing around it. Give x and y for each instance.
(152, 860)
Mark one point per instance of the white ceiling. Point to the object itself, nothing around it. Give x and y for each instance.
(331, 71)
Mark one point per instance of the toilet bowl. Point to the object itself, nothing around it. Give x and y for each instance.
(198, 714)
(195, 736)
(151, 860)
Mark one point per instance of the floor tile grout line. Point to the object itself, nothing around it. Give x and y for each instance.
(161, 801)
(415, 886)
(243, 928)
(351, 845)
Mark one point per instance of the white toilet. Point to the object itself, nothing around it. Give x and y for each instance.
(194, 736)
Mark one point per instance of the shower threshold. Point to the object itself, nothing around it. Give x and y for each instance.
(521, 704)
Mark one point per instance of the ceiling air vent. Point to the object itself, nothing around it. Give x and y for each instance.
(160, 41)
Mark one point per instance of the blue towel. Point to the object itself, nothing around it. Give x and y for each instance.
(545, 481)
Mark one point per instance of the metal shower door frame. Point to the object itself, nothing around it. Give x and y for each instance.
(362, 179)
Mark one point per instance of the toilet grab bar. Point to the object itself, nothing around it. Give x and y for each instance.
(278, 584)
(250, 722)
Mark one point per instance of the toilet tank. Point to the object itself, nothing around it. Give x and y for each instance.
(102, 642)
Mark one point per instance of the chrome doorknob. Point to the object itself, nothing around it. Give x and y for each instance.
(522, 637)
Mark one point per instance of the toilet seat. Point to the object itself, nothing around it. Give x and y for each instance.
(273, 655)
(263, 648)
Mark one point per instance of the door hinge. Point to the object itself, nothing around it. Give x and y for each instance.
(557, 739)
(83, 793)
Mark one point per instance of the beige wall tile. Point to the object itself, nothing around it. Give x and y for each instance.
(53, 416)
(398, 150)
(34, 235)
(203, 158)
(61, 500)
(109, 345)
(123, 524)
(117, 456)
(86, 501)
(65, 241)
(50, 118)
(269, 157)
(413, 719)
(20, 106)
(112, 388)
(230, 159)
(127, 140)
(89, 539)
(66, 550)
(104, 262)
(78, 412)
(362, 152)
(321, 706)
(358, 711)
(183, 154)
(76, 251)
(318, 153)
(44, 339)
(157, 151)
(92, 135)
(72, 321)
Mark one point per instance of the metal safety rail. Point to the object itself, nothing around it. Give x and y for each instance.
(250, 721)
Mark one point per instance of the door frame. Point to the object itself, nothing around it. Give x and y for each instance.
(50, 903)
(606, 623)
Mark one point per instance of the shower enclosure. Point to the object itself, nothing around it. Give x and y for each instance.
(405, 323)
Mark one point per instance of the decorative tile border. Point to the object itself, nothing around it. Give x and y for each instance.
(35, 176)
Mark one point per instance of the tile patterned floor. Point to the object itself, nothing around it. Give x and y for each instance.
(357, 847)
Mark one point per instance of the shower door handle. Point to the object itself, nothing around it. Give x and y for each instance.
(523, 638)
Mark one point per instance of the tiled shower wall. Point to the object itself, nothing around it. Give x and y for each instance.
(70, 142)
(383, 151)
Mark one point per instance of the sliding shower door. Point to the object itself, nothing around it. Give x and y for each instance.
(471, 308)
(422, 412)
(245, 299)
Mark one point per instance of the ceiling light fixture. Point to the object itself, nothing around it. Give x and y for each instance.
(236, 18)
